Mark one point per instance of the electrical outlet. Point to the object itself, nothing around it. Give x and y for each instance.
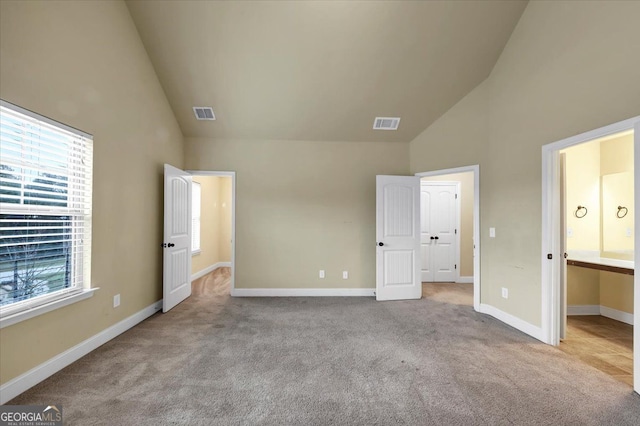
(629, 232)
(345, 275)
(116, 300)
(492, 232)
(569, 232)
(505, 292)
(321, 273)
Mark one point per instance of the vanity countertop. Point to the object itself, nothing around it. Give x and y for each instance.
(579, 258)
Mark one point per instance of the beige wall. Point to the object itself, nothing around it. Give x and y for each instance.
(302, 206)
(616, 291)
(617, 190)
(466, 217)
(215, 222)
(583, 286)
(583, 189)
(564, 71)
(592, 287)
(82, 63)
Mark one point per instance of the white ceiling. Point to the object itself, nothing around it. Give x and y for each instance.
(320, 70)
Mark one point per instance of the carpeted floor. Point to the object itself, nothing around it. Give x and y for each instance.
(216, 360)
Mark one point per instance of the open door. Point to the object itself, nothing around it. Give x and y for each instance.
(563, 246)
(176, 282)
(398, 238)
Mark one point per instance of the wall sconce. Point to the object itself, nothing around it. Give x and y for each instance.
(580, 212)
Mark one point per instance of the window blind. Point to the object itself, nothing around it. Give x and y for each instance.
(45, 209)
(196, 201)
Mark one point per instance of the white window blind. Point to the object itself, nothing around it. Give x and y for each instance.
(45, 209)
(196, 201)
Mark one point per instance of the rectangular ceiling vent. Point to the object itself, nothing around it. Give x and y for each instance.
(386, 123)
(204, 113)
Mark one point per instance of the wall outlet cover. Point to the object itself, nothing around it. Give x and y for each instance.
(321, 273)
(116, 300)
(505, 292)
(492, 232)
(345, 275)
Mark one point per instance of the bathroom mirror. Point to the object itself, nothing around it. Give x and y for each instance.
(617, 215)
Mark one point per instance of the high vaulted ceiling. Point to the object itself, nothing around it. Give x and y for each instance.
(320, 70)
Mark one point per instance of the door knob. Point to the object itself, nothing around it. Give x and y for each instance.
(433, 238)
(437, 238)
(380, 244)
(171, 245)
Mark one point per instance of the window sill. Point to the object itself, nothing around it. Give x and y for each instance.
(195, 252)
(12, 319)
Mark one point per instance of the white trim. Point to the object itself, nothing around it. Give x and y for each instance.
(515, 322)
(47, 307)
(303, 292)
(208, 269)
(475, 169)
(232, 175)
(576, 310)
(465, 280)
(25, 381)
(617, 315)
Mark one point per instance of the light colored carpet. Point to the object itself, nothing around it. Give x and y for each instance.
(216, 360)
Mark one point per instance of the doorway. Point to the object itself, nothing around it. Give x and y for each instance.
(213, 229)
(465, 221)
(554, 234)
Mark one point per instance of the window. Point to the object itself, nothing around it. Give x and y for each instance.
(45, 210)
(195, 217)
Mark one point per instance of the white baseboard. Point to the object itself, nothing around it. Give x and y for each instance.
(617, 315)
(515, 322)
(25, 381)
(583, 310)
(208, 269)
(302, 292)
(465, 280)
(605, 311)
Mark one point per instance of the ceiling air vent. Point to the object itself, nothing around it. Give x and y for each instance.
(204, 113)
(386, 123)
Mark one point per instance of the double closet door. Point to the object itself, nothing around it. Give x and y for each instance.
(438, 233)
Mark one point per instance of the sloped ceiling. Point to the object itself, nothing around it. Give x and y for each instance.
(320, 70)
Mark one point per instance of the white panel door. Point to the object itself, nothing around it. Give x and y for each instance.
(563, 246)
(398, 238)
(439, 217)
(176, 285)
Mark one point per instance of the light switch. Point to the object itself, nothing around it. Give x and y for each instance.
(569, 232)
(492, 232)
(629, 232)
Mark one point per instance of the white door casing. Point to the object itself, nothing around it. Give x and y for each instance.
(176, 285)
(398, 238)
(438, 237)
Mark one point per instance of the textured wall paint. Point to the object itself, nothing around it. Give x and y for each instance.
(302, 206)
(564, 71)
(466, 218)
(82, 63)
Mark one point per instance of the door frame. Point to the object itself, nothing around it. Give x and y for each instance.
(475, 169)
(232, 175)
(458, 203)
(551, 232)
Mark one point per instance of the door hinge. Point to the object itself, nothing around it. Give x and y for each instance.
(456, 231)
(456, 196)
(455, 266)
(549, 256)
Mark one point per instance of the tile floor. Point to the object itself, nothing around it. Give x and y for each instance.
(603, 343)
